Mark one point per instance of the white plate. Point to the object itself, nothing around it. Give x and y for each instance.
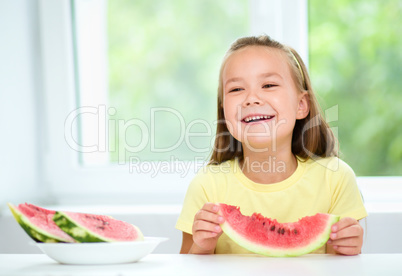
(100, 252)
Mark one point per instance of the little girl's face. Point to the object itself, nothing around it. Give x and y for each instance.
(260, 99)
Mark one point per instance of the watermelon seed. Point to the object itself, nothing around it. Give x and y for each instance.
(283, 231)
(273, 228)
(295, 231)
(263, 223)
(279, 230)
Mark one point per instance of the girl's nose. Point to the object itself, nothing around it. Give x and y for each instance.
(252, 99)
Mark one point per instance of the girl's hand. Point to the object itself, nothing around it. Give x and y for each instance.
(346, 237)
(206, 229)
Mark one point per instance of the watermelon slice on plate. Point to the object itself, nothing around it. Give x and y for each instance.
(266, 236)
(38, 224)
(49, 226)
(96, 228)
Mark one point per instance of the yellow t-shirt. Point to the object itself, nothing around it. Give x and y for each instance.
(327, 185)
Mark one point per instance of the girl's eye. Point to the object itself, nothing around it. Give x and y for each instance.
(235, 90)
(269, 85)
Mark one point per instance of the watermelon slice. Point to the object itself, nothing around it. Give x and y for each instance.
(38, 224)
(268, 237)
(96, 228)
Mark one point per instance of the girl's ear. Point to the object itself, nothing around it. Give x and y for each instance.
(303, 108)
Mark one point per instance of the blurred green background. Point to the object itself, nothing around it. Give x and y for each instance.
(356, 63)
(167, 54)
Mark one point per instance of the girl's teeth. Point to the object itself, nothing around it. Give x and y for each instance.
(256, 118)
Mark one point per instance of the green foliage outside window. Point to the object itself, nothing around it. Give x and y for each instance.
(167, 54)
(355, 63)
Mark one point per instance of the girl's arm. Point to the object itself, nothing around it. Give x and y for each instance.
(189, 247)
(346, 237)
(186, 243)
(206, 231)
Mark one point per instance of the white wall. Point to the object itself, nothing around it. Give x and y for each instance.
(19, 95)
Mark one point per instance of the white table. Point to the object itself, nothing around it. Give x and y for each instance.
(176, 264)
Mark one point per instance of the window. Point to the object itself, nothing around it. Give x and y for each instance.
(159, 68)
(149, 72)
(70, 74)
(355, 57)
(86, 90)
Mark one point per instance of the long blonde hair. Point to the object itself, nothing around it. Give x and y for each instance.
(312, 136)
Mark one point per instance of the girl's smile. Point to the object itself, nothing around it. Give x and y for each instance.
(256, 118)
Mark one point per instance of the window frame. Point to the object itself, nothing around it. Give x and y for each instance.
(66, 180)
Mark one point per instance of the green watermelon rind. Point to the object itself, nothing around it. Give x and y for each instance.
(280, 252)
(37, 234)
(81, 233)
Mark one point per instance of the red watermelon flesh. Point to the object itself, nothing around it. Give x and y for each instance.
(100, 226)
(268, 237)
(38, 223)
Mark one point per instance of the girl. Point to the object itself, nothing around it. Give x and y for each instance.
(274, 154)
